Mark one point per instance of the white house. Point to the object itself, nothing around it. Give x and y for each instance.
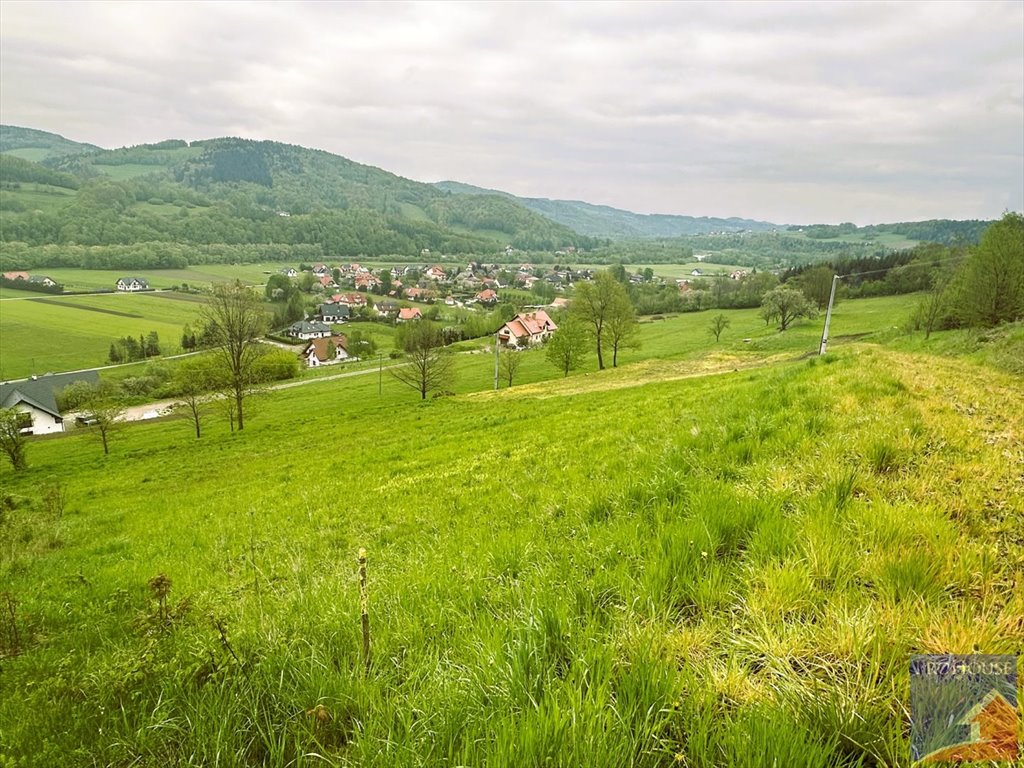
(318, 352)
(406, 314)
(132, 284)
(36, 400)
(527, 328)
(304, 329)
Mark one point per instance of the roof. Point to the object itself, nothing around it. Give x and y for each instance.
(409, 313)
(141, 280)
(16, 276)
(487, 295)
(320, 346)
(39, 279)
(339, 309)
(305, 326)
(41, 391)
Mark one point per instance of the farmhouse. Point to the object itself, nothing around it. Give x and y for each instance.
(132, 284)
(42, 280)
(16, 275)
(36, 400)
(405, 314)
(326, 351)
(527, 328)
(304, 329)
(289, 272)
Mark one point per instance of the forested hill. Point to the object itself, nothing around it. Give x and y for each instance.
(232, 192)
(30, 144)
(615, 223)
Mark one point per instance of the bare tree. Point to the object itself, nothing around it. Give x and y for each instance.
(12, 440)
(509, 363)
(430, 366)
(104, 411)
(195, 381)
(236, 320)
(718, 324)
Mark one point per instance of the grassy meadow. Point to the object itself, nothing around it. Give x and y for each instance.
(62, 333)
(716, 554)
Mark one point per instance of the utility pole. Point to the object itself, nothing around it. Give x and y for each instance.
(497, 348)
(828, 315)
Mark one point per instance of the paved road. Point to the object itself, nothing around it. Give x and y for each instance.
(163, 407)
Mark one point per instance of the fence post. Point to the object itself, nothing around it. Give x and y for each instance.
(364, 606)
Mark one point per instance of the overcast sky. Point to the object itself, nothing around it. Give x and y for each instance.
(789, 112)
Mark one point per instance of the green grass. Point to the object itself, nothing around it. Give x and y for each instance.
(60, 333)
(39, 197)
(33, 154)
(634, 567)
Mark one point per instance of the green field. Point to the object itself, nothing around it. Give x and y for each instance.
(62, 333)
(712, 555)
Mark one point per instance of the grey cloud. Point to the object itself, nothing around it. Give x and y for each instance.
(791, 112)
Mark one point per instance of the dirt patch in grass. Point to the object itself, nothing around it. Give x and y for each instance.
(59, 303)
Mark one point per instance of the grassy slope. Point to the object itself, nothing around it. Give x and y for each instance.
(70, 332)
(622, 567)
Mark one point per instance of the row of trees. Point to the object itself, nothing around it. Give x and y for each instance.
(128, 349)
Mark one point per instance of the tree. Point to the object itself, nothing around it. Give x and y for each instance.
(194, 380)
(621, 326)
(816, 283)
(567, 348)
(12, 441)
(990, 285)
(596, 302)
(278, 287)
(718, 324)
(430, 366)
(786, 305)
(508, 364)
(235, 318)
(103, 409)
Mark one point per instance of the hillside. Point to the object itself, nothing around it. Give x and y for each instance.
(646, 566)
(35, 145)
(243, 194)
(605, 221)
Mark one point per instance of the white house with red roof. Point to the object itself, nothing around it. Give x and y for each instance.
(527, 328)
(406, 314)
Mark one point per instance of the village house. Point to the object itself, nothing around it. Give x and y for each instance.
(367, 281)
(387, 307)
(42, 280)
(326, 281)
(425, 295)
(406, 314)
(35, 400)
(321, 269)
(304, 329)
(527, 328)
(16, 275)
(289, 272)
(351, 299)
(333, 312)
(488, 297)
(132, 284)
(326, 351)
(435, 273)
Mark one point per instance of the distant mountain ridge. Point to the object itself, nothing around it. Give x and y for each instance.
(35, 145)
(616, 223)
